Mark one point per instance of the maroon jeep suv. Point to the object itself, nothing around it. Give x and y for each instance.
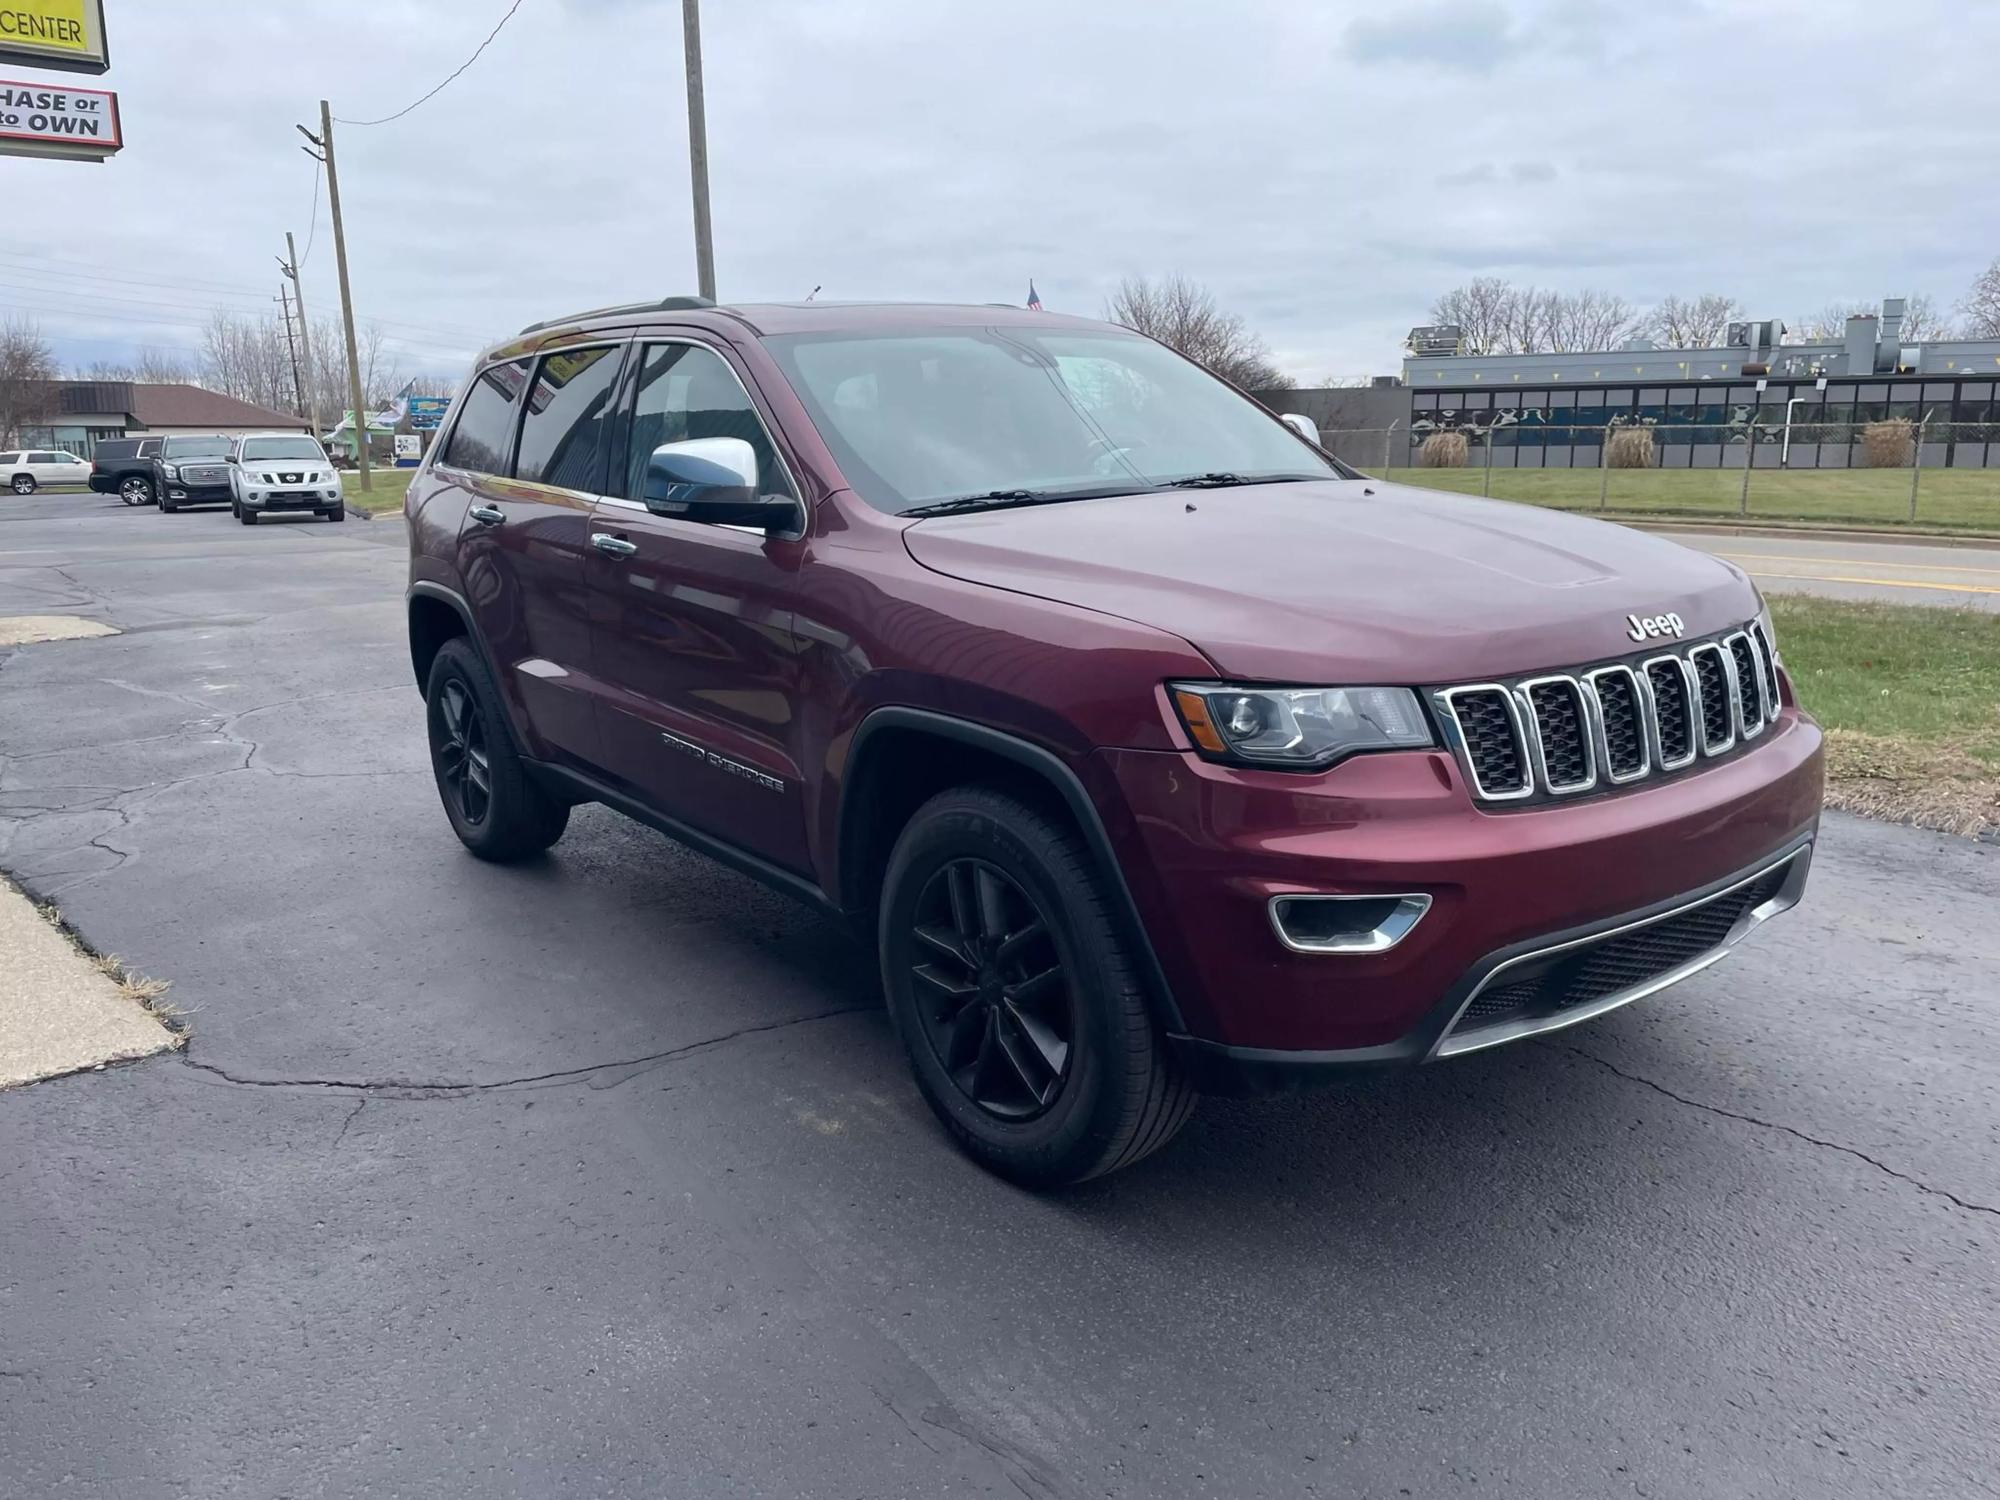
(1155, 750)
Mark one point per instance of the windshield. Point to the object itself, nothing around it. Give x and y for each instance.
(282, 447)
(918, 418)
(195, 447)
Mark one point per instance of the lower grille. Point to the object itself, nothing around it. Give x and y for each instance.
(1543, 989)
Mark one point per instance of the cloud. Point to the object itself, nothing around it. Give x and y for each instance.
(1287, 155)
(1472, 36)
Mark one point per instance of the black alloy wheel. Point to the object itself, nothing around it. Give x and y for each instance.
(463, 769)
(992, 995)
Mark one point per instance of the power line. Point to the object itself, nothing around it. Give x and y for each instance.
(454, 74)
(312, 223)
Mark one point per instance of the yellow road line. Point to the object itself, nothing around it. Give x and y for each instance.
(1873, 562)
(1887, 583)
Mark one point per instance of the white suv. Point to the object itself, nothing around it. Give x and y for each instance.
(276, 471)
(27, 472)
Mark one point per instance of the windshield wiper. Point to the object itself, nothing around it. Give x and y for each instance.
(1224, 480)
(1007, 499)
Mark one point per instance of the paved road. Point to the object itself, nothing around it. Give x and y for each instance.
(1849, 568)
(603, 1176)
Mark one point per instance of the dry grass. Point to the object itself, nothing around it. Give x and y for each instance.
(1908, 781)
(1889, 444)
(1631, 448)
(142, 990)
(1443, 450)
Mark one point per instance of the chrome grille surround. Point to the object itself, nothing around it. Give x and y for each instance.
(1540, 712)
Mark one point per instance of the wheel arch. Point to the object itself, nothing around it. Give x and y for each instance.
(436, 615)
(901, 757)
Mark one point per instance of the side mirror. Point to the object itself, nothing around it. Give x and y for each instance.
(712, 480)
(1302, 425)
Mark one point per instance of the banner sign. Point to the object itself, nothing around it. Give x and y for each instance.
(65, 34)
(38, 120)
(426, 412)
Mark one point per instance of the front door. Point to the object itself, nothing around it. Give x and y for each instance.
(692, 626)
(529, 445)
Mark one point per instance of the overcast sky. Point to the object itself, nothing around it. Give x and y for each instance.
(1325, 167)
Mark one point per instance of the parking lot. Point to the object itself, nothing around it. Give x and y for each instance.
(604, 1175)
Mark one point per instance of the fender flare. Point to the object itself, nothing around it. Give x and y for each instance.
(1050, 768)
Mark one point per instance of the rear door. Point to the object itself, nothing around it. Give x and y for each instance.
(528, 445)
(695, 655)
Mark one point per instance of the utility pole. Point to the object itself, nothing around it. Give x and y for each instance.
(298, 386)
(324, 140)
(704, 247)
(290, 266)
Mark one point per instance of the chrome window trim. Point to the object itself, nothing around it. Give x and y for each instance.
(1526, 690)
(1642, 705)
(1735, 709)
(1784, 900)
(1690, 695)
(1411, 908)
(1447, 699)
(1745, 729)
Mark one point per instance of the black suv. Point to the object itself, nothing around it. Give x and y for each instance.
(124, 467)
(194, 469)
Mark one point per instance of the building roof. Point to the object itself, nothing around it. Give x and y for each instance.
(191, 406)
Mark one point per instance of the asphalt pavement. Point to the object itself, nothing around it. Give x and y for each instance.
(603, 1175)
(1963, 575)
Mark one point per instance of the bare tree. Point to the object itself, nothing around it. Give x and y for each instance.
(1589, 320)
(151, 366)
(1182, 314)
(1483, 311)
(1693, 322)
(1981, 307)
(27, 377)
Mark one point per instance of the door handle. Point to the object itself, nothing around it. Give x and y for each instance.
(487, 515)
(615, 546)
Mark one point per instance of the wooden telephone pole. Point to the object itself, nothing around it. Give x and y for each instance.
(290, 266)
(704, 246)
(291, 345)
(324, 140)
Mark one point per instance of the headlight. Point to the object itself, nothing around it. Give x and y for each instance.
(1299, 726)
(1770, 635)
(171, 471)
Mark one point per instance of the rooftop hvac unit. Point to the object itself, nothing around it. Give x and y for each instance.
(1445, 338)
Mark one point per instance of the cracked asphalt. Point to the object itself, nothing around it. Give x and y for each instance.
(603, 1176)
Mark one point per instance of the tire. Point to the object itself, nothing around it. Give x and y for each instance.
(246, 515)
(513, 818)
(135, 489)
(338, 513)
(167, 507)
(1117, 1095)
(24, 484)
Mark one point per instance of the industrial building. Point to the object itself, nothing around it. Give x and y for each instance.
(1754, 399)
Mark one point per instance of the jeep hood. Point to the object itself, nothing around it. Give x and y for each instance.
(1347, 581)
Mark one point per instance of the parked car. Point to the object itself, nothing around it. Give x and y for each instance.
(279, 471)
(192, 469)
(1153, 749)
(124, 467)
(27, 471)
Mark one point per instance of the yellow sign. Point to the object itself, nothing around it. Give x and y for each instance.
(66, 34)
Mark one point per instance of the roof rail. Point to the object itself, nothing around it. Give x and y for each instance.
(665, 304)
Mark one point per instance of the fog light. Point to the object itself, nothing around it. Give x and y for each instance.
(1346, 924)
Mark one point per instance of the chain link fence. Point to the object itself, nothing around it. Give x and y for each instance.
(1895, 472)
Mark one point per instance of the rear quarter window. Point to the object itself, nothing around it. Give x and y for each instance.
(482, 439)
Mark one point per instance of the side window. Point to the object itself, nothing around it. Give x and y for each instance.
(686, 391)
(47, 458)
(483, 438)
(569, 406)
(10, 458)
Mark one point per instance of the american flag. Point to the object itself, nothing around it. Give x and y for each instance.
(1034, 299)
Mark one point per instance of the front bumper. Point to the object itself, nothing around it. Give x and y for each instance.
(289, 499)
(197, 494)
(1206, 847)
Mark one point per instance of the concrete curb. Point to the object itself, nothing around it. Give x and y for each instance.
(1987, 541)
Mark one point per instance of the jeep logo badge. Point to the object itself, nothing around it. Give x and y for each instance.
(1648, 627)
